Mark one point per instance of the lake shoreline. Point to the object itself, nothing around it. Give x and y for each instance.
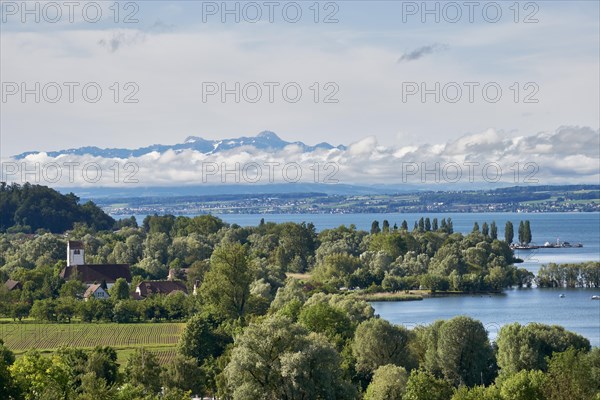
(412, 296)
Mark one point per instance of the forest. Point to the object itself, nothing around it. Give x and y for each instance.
(28, 208)
(319, 346)
(279, 313)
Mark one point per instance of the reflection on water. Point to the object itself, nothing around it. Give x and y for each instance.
(576, 311)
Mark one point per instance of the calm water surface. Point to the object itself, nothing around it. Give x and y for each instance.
(576, 311)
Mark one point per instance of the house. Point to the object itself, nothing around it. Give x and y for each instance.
(97, 273)
(96, 291)
(13, 285)
(91, 274)
(147, 288)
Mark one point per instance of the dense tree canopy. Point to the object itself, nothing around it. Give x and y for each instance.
(378, 343)
(527, 347)
(226, 286)
(277, 311)
(28, 208)
(277, 359)
(389, 382)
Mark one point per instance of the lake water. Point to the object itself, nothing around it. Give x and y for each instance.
(576, 311)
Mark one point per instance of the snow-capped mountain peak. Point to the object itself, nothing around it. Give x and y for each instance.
(265, 140)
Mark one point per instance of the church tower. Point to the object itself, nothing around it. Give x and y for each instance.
(75, 253)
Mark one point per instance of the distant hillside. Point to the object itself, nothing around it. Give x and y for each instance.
(28, 208)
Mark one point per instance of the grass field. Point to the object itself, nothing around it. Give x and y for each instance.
(387, 296)
(160, 338)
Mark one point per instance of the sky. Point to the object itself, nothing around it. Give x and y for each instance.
(388, 76)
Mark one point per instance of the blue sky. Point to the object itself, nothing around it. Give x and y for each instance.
(370, 55)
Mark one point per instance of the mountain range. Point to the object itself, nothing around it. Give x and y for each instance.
(265, 140)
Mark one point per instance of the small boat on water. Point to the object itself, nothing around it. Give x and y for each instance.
(561, 296)
(595, 297)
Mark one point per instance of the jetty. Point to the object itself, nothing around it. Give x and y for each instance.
(547, 245)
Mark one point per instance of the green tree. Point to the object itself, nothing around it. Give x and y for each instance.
(521, 232)
(39, 377)
(297, 243)
(434, 282)
(427, 224)
(226, 286)
(570, 376)
(185, 374)
(73, 288)
(450, 226)
(125, 311)
(102, 363)
(175, 305)
(423, 385)
(477, 393)
(375, 227)
(527, 232)
(524, 385)
(8, 388)
(19, 310)
(277, 359)
(75, 361)
(142, 369)
(152, 268)
(336, 269)
(330, 321)
(388, 383)
(496, 278)
(393, 243)
(527, 346)
(385, 226)
(202, 339)
(205, 225)
(32, 207)
(94, 388)
(509, 233)
(493, 230)
(120, 290)
(65, 309)
(464, 352)
(377, 343)
(485, 229)
(44, 310)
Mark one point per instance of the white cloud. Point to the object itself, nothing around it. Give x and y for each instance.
(567, 155)
(558, 53)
